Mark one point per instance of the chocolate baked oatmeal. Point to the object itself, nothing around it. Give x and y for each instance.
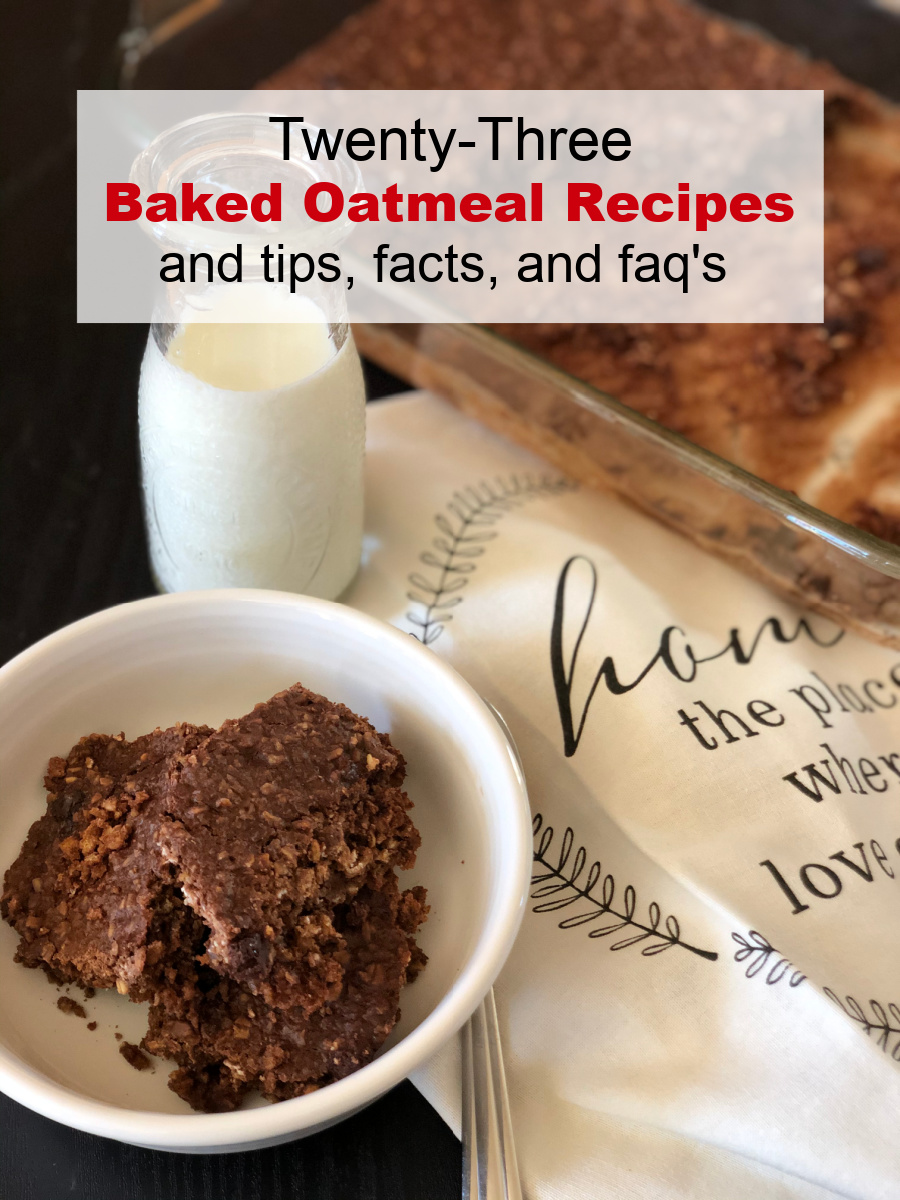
(82, 892)
(814, 409)
(273, 821)
(242, 881)
(227, 1040)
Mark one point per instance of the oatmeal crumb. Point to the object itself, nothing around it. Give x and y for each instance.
(67, 1005)
(134, 1056)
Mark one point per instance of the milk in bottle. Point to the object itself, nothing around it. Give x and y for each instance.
(251, 402)
(252, 439)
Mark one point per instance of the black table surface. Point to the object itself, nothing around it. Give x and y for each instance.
(71, 535)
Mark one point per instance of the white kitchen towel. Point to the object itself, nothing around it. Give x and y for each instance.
(704, 1000)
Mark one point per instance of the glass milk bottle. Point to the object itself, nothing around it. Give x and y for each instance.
(251, 400)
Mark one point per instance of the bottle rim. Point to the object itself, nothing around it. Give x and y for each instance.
(242, 152)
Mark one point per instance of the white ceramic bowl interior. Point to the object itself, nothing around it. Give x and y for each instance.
(202, 657)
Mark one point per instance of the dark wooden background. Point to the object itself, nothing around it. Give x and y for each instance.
(71, 539)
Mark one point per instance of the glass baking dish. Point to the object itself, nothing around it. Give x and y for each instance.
(797, 550)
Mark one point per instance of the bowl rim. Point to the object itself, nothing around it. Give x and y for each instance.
(277, 1122)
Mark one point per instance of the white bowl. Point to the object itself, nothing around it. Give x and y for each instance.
(202, 657)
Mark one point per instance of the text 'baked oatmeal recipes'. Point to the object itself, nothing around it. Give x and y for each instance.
(243, 881)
